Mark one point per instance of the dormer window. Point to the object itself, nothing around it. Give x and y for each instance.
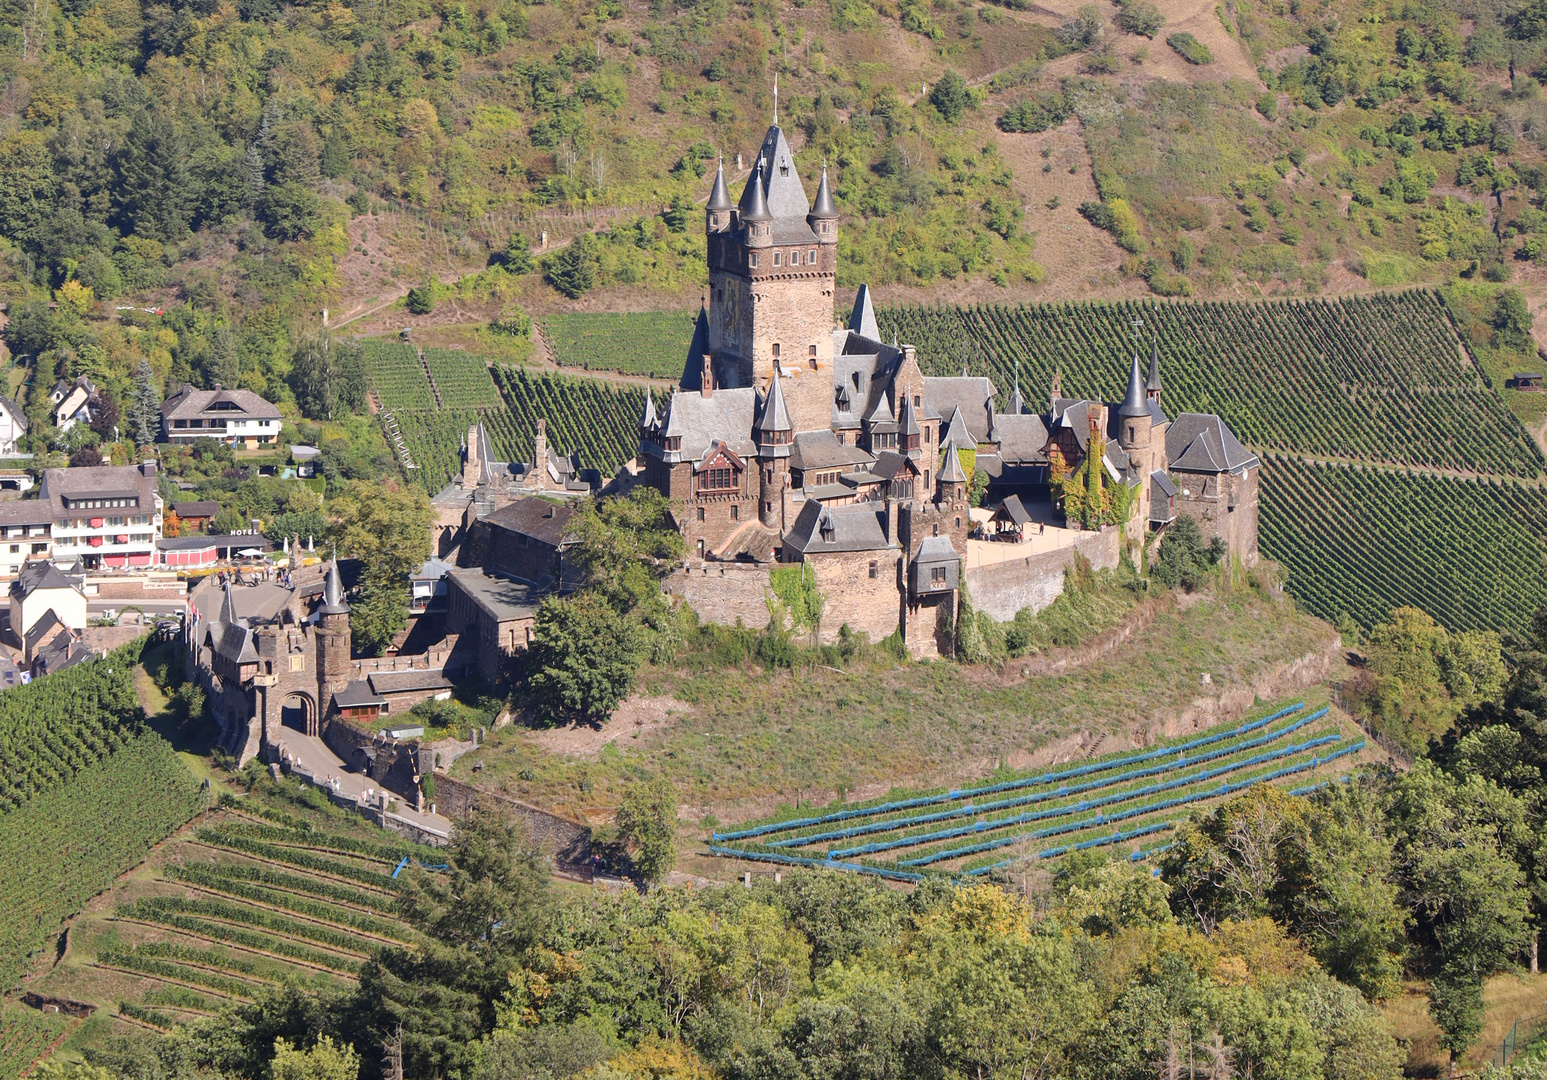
(784, 166)
(828, 530)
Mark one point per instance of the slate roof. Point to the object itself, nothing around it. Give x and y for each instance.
(782, 190)
(98, 482)
(1013, 510)
(45, 628)
(822, 450)
(776, 415)
(189, 403)
(333, 602)
(397, 682)
(184, 543)
(703, 421)
(357, 694)
(499, 598)
(936, 549)
(1022, 438)
(952, 472)
(39, 574)
(539, 519)
(719, 196)
(196, 509)
(823, 529)
(889, 463)
(863, 319)
(972, 394)
(26, 512)
(1161, 492)
(1134, 401)
(1203, 443)
(229, 635)
(17, 417)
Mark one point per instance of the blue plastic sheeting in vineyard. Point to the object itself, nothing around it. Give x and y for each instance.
(1123, 815)
(1030, 781)
(826, 864)
(1087, 804)
(1083, 845)
(1156, 850)
(970, 810)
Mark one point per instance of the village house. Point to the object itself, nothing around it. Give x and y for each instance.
(235, 417)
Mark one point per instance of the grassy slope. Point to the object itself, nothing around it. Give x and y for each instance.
(742, 740)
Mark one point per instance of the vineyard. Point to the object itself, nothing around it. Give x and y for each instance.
(462, 380)
(252, 897)
(1376, 378)
(397, 375)
(54, 729)
(1112, 801)
(25, 1036)
(62, 847)
(652, 343)
(1363, 541)
(597, 421)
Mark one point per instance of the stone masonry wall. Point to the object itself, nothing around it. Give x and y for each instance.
(570, 841)
(723, 593)
(870, 605)
(1003, 589)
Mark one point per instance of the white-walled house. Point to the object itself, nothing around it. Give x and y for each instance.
(235, 417)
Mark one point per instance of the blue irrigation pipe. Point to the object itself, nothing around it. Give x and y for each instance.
(1087, 804)
(1030, 781)
(969, 810)
(400, 866)
(1123, 815)
(826, 864)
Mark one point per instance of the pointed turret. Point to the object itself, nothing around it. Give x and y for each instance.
(823, 218)
(908, 430)
(333, 602)
(647, 420)
(1134, 403)
(228, 613)
(775, 421)
(754, 204)
(863, 320)
(1017, 406)
(718, 212)
(1152, 386)
(951, 471)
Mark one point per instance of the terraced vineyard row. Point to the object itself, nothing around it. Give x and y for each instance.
(1378, 378)
(650, 343)
(62, 847)
(462, 379)
(1363, 541)
(397, 375)
(25, 1035)
(1113, 801)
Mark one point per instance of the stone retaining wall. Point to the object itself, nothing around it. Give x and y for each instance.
(568, 840)
(1004, 588)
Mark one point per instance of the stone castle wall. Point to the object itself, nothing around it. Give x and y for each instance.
(868, 605)
(569, 841)
(1004, 588)
(723, 593)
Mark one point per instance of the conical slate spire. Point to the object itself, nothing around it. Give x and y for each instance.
(951, 471)
(228, 613)
(1017, 406)
(776, 416)
(1134, 404)
(907, 423)
(719, 196)
(754, 206)
(1154, 380)
(824, 206)
(863, 320)
(333, 602)
(648, 420)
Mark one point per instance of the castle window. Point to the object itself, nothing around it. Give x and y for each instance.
(811, 257)
(937, 576)
(1130, 432)
(700, 513)
(958, 523)
(926, 436)
(875, 571)
(811, 351)
(776, 258)
(735, 512)
(752, 259)
(717, 479)
(719, 295)
(937, 530)
(776, 350)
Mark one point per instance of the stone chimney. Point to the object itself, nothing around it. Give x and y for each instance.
(706, 380)
(540, 452)
(908, 352)
(471, 465)
(148, 469)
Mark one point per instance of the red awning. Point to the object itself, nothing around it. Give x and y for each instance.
(121, 538)
(96, 541)
(96, 523)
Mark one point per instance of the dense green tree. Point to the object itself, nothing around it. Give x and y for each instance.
(153, 197)
(27, 186)
(624, 546)
(1185, 558)
(324, 1061)
(950, 96)
(572, 271)
(145, 411)
(647, 823)
(328, 376)
(1512, 322)
(583, 657)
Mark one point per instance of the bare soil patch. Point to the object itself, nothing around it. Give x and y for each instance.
(636, 716)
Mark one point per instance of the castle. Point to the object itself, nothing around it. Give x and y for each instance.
(790, 440)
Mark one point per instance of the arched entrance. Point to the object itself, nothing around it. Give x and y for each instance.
(299, 713)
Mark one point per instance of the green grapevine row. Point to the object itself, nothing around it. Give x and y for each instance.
(206, 878)
(53, 729)
(25, 1035)
(397, 375)
(650, 343)
(1377, 378)
(462, 379)
(1363, 541)
(64, 846)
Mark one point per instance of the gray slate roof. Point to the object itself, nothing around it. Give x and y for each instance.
(936, 549)
(38, 574)
(703, 421)
(972, 394)
(823, 529)
(1203, 443)
(539, 519)
(26, 512)
(1022, 438)
(1013, 510)
(822, 450)
(781, 183)
(98, 482)
(397, 682)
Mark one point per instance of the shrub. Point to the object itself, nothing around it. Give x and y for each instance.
(950, 96)
(1185, 560)
(1190, 48)
(1037, 113)
(1084, 31)
(421, 299)
(1140, 17)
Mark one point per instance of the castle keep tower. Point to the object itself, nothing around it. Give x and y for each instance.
(772, 262)
(332, 640)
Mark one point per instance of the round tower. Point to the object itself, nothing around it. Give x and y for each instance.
(774, 433)
(333, 641)
(719, 211)
(756, 220)
(823, 218)
(1133, 418)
